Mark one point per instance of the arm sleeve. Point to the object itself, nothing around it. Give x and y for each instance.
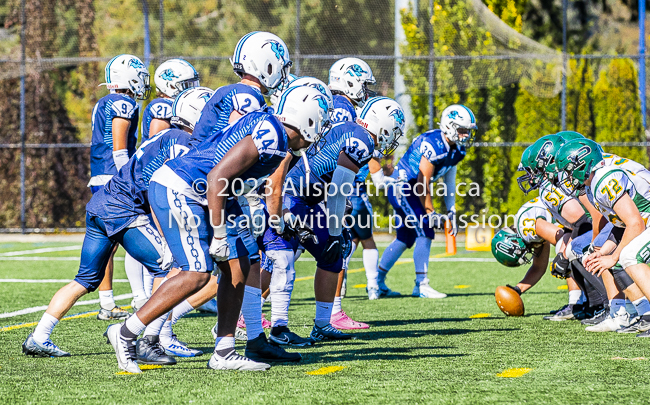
(341, 178)
(450, 183)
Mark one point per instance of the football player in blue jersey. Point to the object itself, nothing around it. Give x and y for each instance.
(432, 155)
(349, 79)
(118, 213)
(329, 175)
(114, 137)
(262, 61)
(199, 204)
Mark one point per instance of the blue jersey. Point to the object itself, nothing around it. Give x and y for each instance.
(188, 174)
(125, 196)
(115, 105)
(344, 137)
(159, 108)
(434, 147)
(216, 113)
(343, 109)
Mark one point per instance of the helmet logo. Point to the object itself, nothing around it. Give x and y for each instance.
(398, 115)
(322, 102)
(320, 88)
(543, 157)
(278, 49)
(168, 75)
(453, 115)
(135, 63)
(356, 69)
(506, 248)
(205, 96)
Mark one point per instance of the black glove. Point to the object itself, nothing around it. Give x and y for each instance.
(517, 289)
(560, 267)
(300, 230)
(333, 249)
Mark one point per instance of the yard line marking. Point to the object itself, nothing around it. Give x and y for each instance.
(361, 286)
(326, 370)
(624, 358)
(563, 287)
(481, 315)
(49, 280)
(514, 372)
(44, 307)
(142, 367)
(462, 286)
(41, 250)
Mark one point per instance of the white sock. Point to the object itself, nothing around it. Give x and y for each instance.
(180, 311)
(252, 311)
(153, 329)
(392, 253)
(135, 325)
(45, 327)
(147, 281)
(106, 300)
(135, 274)
(370, 260)
(574, 296)
(642, 306)
(280, 308)
(224, 343)
(336, 308)
(323, 313)
(616, 304)
(166, 333)
(282, 281)
(421, 258)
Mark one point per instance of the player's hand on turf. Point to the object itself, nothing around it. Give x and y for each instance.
(333, 249)
(515, 288)
(602, 263)
(560, 267)
(219, 249)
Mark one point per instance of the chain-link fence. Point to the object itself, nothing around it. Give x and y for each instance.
(52, 55)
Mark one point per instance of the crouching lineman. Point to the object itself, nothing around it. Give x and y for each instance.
(200, 222)
(119, 213)
(432, 155)
(622, 197)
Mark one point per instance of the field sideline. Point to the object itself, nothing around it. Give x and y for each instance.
(461, 349)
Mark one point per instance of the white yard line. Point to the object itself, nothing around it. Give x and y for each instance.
(44, 307)
(41, 250)
(45, 281)
(48, 258)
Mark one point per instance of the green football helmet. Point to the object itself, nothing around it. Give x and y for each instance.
(578, 158)
(510, 249)
(570, 135)
(535, 159)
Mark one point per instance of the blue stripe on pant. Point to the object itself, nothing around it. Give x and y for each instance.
(143, 243)
(410, 213)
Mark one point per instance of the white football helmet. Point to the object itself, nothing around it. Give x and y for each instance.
(351, 77)
(458, 120)
(384, 118)
(187, 107)
(283, 86)
(318, 85)
(174, 76)
(262, 55)
(305, 109)
(128, 72)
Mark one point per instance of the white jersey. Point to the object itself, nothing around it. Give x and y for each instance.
(527, 217)
(554, 199)
(610, 183)
(630, 165)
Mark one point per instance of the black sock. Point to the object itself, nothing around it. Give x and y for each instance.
(127, 334)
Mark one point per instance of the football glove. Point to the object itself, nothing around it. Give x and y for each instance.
(333, 249)
(219, 249)
(517, 289)
(451, 214)
(436, 221)
(294, 228)
(560, 267)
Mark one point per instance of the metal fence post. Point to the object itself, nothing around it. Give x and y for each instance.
(162, 31)
(23, 22)
(297, 64)
(642, 82)
(431, 68)
(147, 43)
(565, 61)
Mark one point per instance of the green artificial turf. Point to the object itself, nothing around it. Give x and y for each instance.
(416, 351)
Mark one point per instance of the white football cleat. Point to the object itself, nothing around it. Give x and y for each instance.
(423, 290)
(373, 293)
(124, 349)
(175, 347)
(240, 334)
(615, 321)
(235, 361)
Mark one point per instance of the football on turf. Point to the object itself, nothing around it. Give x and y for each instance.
(509, 301)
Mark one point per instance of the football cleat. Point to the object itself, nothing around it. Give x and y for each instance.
(599, 315)
(341, 320)
(423, 290)
(266, 324)
(241, 323)
(328, 332)
(555, 311)
(641, 325)
(373, 293)
(113, 314)
(385, 292)
(235, 361)
(209, 307)
(240, 334)
(644, 334)
(150, 351)
(260, 350)
(613, 322)
(564, 314)
(281, 335)
(124, 349)
(46, 349)
(175, 347)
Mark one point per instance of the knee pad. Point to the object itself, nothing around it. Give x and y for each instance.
(629, 255)
(621, 278)
(284, 272)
